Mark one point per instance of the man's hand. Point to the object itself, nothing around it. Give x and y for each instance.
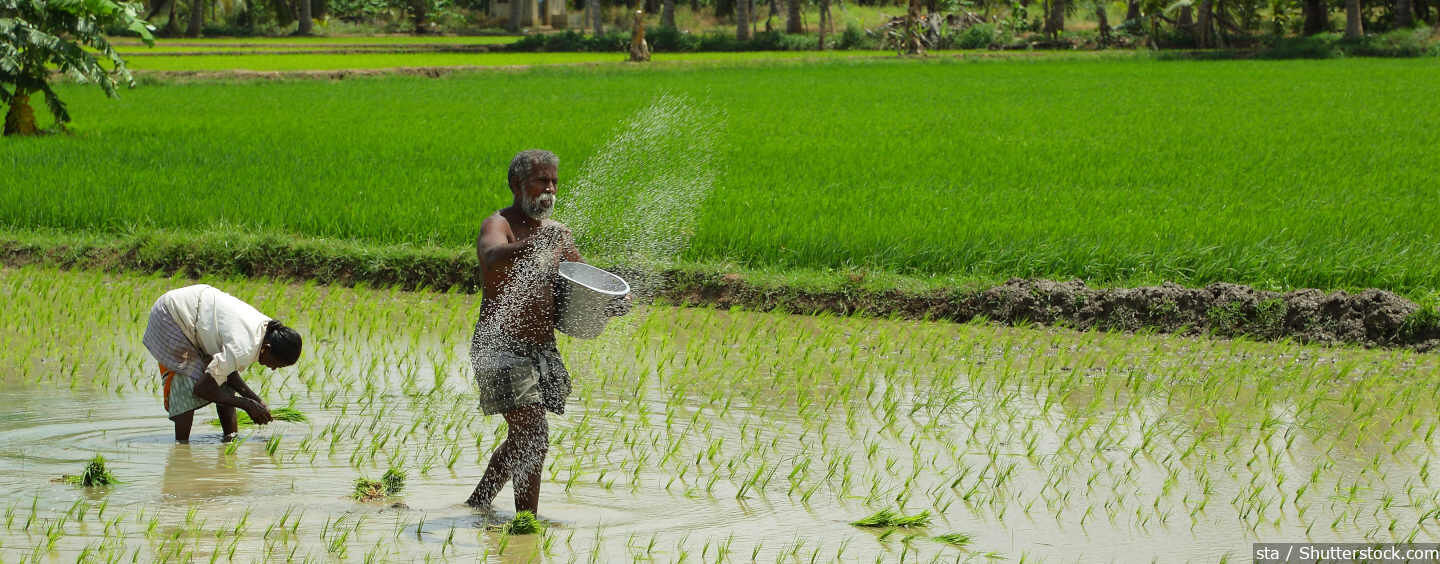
(258, 412)
(619, 306)
(552, 235)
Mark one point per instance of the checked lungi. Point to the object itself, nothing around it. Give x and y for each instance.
(182, 363)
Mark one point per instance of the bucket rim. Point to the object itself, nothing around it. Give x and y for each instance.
(584, 266)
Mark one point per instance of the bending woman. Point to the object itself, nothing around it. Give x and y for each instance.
(203, 339)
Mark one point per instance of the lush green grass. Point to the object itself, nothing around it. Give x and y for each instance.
(1280, 174)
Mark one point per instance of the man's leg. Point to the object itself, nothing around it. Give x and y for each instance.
(528, 457)
(182, 426)
(496, 473)
(229, 426)
(513, 453)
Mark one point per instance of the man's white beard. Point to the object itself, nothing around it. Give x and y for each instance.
(538, 208)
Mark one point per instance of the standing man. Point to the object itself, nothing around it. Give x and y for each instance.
(203, 339)
(517, 368)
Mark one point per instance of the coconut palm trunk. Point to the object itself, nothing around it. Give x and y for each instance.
(307, 20)
(197, 18)
(639, 48)
(420, 11)
(20, 119)
(1102, 22)
(824, 21)
(1404, 14)
(1316, 17)
(1205, 25)
(1354, 25)
(913, 45)
(667, 14)
(1055, 19)
(742, 20)
(596, 18)
(792, 17)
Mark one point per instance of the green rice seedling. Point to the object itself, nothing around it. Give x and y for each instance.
(286, 414)
(96, 474)
(368, 490)
(393, 481)
(891, 518)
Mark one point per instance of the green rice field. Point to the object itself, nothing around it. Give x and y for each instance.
(704, 435)
(1280, 174)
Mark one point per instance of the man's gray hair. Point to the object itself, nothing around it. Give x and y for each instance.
(524, 163)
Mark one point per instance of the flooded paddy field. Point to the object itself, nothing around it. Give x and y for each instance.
(704, 435)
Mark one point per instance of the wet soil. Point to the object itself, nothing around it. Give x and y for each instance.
(1370, 318)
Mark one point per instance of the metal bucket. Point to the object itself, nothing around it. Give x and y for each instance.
(584, 292)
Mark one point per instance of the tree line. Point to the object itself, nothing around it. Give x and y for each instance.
(1209, 22)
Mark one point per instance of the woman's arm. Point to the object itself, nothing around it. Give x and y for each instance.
(209, 389)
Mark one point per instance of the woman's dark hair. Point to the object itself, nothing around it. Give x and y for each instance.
(284, 342)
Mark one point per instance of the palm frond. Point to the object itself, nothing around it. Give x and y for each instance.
(1178, 4)
(56, 105)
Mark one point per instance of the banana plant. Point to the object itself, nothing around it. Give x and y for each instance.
(41, 37)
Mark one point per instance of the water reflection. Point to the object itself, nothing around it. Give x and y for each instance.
(198, 472)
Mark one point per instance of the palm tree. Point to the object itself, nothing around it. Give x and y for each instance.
(1055, 18)
(913, 46)
(742, 19)
(1205, 25)
(1102, 21)
(667, 14)
(824, 21)
(197, 18)
(38, 34)
(1354, 27)
(307, 22)
(1317, 17)
(1404, 14)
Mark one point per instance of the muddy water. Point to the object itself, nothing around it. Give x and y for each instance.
(703, 435)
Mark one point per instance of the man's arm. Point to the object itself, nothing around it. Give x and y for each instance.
(493, 245)
(209, 389)
(239, 385)
(567, 245)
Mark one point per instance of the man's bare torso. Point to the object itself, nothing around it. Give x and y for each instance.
(518, 292)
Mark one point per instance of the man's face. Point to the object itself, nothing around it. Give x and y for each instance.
(267, 360)
(537, 195)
